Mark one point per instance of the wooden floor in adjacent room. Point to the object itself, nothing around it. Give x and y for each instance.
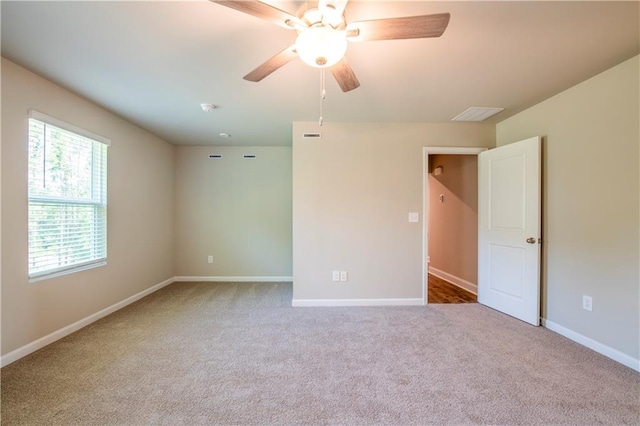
(441, 291)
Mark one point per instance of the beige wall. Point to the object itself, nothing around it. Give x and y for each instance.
(140, 212)
(237, 210)
(453, 224)
(352, 191)
(590, 204)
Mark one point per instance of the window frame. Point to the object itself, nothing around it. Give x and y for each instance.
(99, 203)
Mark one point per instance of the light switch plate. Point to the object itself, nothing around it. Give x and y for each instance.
(414, 217)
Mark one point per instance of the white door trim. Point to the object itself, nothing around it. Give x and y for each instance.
(426, 151)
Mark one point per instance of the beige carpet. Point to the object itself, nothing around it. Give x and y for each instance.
(206, 353)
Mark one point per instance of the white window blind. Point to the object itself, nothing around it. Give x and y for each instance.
(67, 198)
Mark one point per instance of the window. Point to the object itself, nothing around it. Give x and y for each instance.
(67, 198)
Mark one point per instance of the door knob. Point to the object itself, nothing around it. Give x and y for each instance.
(531, 240)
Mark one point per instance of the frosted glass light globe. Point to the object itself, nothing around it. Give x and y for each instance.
(321, 46)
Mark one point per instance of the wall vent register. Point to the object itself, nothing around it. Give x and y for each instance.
(311, 135)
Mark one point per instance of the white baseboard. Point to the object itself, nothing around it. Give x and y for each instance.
(234, 279)
(65, 331)
(605, 350)
(356, 302)
(459, 282)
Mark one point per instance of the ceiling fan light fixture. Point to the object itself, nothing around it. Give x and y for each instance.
(321, 46)
(312, 17)
(328, 15)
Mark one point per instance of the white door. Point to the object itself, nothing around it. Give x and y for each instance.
(509, 229)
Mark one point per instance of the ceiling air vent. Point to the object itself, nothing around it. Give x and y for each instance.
(215, 156)
(477, 114)
(249, 156)
(311, 135)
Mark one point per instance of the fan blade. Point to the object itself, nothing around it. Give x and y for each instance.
(272, 64)
(424, 26)
(344, 75)
(263, 11)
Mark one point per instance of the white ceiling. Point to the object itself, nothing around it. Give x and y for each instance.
(154, 63)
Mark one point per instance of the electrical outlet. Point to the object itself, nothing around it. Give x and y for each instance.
(336, 275)
(210, 259)
(587, 303)
(344, 276)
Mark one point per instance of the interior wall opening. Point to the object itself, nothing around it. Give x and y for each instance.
(451, 225)
(453, 229)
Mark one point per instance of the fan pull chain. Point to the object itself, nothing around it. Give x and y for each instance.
(323, 95)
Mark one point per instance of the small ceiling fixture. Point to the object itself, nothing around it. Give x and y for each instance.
(208, 107)
(225, 135)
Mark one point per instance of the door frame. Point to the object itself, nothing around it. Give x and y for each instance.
(426, 151)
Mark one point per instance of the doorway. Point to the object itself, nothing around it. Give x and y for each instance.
(450, 227)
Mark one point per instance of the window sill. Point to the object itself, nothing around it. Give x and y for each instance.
(60, 273)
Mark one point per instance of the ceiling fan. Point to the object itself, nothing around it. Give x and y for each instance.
(323, 33)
